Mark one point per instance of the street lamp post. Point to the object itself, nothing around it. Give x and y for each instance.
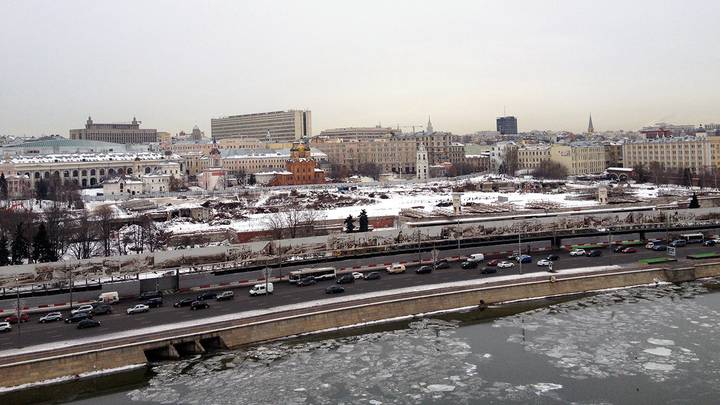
(71, 286)
(17, 290)
(519, 257)
(610, 245)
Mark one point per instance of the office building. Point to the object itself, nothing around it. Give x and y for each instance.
(359, 132)
(507, 125)
(125, 133)
(580, 157)
(271, 127)
(695, 153)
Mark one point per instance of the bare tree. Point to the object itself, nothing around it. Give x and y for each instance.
(294, 222)
(83, 244)
(103, 216)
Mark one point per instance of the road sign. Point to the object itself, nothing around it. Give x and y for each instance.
(671, 251)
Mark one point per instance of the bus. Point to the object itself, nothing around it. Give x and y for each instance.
(693, 237)
(319, 273)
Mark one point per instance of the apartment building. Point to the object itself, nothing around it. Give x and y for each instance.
(393, 155)
(359, 132)
(529, 157)
(271, 127)
(124, 133)
(580, 157)
(697, 153)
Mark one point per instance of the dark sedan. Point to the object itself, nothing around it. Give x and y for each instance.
(345, 279)
(303, 282)
(154, 302)
(88, 323)
(424, 270)
(186, 302)
(334, 289)
(199, 305)
(469, 265)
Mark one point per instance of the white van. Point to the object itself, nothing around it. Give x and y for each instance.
(109, 297)
(259, 289)
(477, 257)
(395, 268)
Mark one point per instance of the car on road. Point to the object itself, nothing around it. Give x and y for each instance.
(5, 327)
(261, 289)
(78, 317)
(184, 302)
(150, 294)
(544, 262)
(345, 279)
(154, 302)
(395, 268)
(659, 248)
(306, 281)
(207, 296)
(594, 253)
(488, 270)
(629, 250)
(225, 295)
(199, 305)
(424, 270)
(578, 252)
(101, 309)
(82, 308)
(442, 264)
(552, 258)
(468, 265)
(13, 319)
(525, 259)
(374, 275)
(50, 317)
(334, 289)
(88, 323)
(138, 309)
(493, 262)
(652, 243)
(710, 242)
(357, 275)
(618, 249)
(110, 297)
(476, 257)
(505, 264)
(678, 243)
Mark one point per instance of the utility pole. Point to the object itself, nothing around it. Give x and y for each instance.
(17, 290)
(268, 272)
(519, 253)
(419, 251)
(71, 286)
(459, 232)
(610, 245)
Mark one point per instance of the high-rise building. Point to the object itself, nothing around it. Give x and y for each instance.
(359, 132)
(276, 126)
(118, 133)
(507, 125)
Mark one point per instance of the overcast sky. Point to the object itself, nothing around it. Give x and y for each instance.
(174, 64)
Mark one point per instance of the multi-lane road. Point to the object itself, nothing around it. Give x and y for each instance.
(32, 333)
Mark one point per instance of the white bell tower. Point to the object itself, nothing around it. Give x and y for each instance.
(421, 165)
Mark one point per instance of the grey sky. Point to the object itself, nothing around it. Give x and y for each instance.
(174, 64)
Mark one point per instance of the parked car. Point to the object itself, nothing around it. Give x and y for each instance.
(306, 281)
(629, 250)
(395, 268)
(101, 309)
(710, 242)
(659, 248)
(82, 308)
(51, 317)
(5, 327)
(544, 262)
(13, 319)
(150, 294)
(552, 258)
(525, 259)
(78, 317)
(225, 295)
(488, 270)
(154, 302)
(357, 275)
(199, 305)
(334, 289)
(476, 257)
(374, 275)
(578, 252)
(138, 309)
(88, 323)
(493, 262)
(424, 270)
(678, 243)
(505, 264)
(594, 253)
(468, 265)
(183, 302)
(207, 296)
(345, 279)
(261, 289)
(442, 264)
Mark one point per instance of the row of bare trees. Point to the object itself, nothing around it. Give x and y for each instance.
(657, 173)
(293, 222)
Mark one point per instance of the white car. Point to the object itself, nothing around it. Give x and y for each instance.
(5, 327)
(544, 262)
(578, 252)
(51, 317)
(395, 268)
(505, 264)
(138, 309)
(357, 275)
(82, 308)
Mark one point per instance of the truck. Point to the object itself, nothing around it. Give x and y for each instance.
(110, 297)
(259, 289)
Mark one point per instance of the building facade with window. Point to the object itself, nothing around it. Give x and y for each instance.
(124, 133)
(270, 127)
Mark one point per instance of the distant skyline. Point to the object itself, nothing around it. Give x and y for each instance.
(176, 64)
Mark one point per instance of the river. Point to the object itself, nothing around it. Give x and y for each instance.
(645, 345)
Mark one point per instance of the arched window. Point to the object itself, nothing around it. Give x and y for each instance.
(84, 173)
(92, 172)
(75, 173)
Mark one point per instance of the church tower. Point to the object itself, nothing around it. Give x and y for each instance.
(422, 167)
(591, 130)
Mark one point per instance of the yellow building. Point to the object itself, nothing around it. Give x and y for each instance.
(579, 158)
(696, 154)
(529, 157)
